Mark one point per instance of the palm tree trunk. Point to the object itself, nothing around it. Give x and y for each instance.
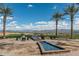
(56, 28)
(4, 25)
(72, 26)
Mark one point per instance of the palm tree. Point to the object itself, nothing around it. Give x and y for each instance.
(71, 10)
(57, 16)
(5, 12)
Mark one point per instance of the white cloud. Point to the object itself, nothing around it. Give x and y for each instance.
(50, 25)
(27, 27)
(76, 21)
(76, 24)
(41, 22)
(36, 26)
(9, 18)
(12, 25)
(30, 5)
(1, 17)
(54, 7)
(0, 20)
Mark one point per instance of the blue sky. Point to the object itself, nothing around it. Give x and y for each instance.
(34, 12)
(36, 16)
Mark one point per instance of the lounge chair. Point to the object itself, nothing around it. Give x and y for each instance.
(35, 38)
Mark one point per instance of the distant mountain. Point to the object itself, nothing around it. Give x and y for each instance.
(45, 31)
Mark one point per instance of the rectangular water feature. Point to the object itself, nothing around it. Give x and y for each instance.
(47, 47)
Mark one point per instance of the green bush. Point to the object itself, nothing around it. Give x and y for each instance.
(42, 36)
(1, 36)
(13, 35)
(28, 36)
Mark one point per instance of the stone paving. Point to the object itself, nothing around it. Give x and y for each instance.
(30, 48)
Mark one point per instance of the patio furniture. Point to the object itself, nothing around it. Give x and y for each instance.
(35, 38)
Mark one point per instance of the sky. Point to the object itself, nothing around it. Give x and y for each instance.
(37, 16)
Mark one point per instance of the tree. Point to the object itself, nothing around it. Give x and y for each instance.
(5, 12)
(57, 16)
(71, 10)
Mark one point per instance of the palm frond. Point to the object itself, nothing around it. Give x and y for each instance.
(57, 16)
(71, 9)
(5, 11)
(8, 11)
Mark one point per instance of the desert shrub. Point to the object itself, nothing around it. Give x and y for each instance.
(51, 36)
(1, 36)
(42, 36)
(28, 36)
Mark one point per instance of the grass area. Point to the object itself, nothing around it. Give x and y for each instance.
(75, 36)
(11, 36)
(43, 36)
